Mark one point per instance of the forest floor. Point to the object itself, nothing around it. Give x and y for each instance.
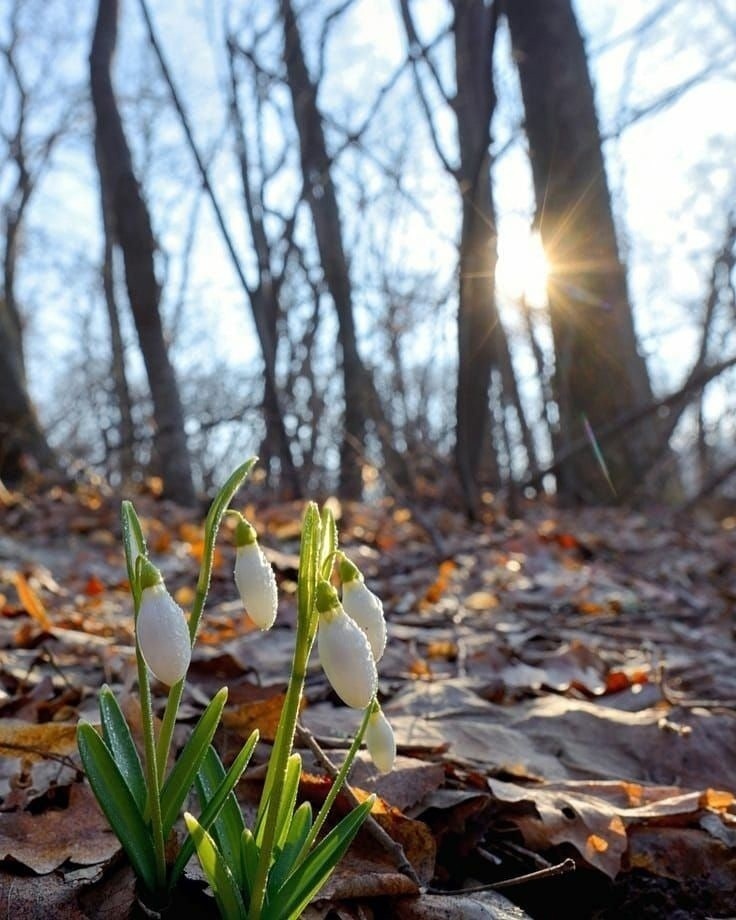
(562, 686)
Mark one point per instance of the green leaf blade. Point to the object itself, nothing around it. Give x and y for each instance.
(181, 779)
(301, 824)
(134, 543)
(117, 737)
(220, 809)
(305, 883)
(117, 803)
(227, 895)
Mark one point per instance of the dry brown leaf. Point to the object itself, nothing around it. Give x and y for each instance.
(594, 817)
(261, 714)
(44, 841)
(481, 600)
(35, 758)
(32, 603)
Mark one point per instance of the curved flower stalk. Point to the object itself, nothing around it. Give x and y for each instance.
(254, 577)
(363, 606)
(272, 871)
(344, 651)
(162, 632)
(141, 799)
(380, 741)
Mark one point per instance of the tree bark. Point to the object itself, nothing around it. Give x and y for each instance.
(133, 232)
(264, 301)
(478, 323)
(361, 398)
(126, 460)
(599, 373)
(21, 436)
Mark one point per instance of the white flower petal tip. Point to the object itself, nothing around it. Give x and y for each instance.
(380, 741)
(163, 635)
(366, 609)
(346, 658)
(256, 584)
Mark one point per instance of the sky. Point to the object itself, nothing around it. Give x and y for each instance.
(671, 174)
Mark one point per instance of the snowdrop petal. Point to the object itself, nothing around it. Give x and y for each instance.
(380, 741)
(256, 584)
(163, 635)
(366, 609)
(346, 658)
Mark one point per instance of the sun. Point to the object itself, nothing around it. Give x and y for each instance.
(522, 270)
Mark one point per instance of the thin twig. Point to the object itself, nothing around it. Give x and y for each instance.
(567, 865)
(392, 847)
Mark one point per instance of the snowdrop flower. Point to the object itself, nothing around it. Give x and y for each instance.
(363, 606)
(380, 741)
(344, 651)
(254, 577)
(161, 629)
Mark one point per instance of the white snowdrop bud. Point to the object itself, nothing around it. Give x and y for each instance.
(380, 741)
(363, 606)
(344, 651)
(161, 630)
(254, 577)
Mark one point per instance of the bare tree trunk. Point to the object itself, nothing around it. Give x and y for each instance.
(479, 329)
(361, 399)
(117, 358)
(264, 300)
(134, 234)
(21, 437)
(599, 373)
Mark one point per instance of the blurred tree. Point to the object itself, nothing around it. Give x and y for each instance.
(361, 397)
(126, 453)
(483, 346)
(599, 373)
(21, 438)
(132, 225)
(263, 295)
(25, 159)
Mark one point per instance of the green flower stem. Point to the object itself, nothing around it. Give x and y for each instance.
(176, 692)
(337, 784)
(153, 802)
(212, 524)
(279, 759)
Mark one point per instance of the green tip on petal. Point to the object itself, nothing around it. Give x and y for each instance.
(327, 598)
(150, 575)
(245, 533)
(348, 570)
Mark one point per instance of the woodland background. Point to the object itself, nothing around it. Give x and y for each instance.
(275, 227)
(463, 269)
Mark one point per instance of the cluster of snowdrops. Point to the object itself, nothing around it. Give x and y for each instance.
(273, 869)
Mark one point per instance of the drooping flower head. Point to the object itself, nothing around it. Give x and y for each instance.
(254, 577)
(380, 741)
(363, 606)
(344, 651)
(161, 629)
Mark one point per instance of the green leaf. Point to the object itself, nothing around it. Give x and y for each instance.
(288, 799)
(305, 883)
(227, 895)
(181, 779)
(306, 587)
(220, 809)
(309, 560)
(248, 859)
(133, 543)
(329, 544)
(118, 739)
(211, 526)
(301, 824)
(117, 803)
